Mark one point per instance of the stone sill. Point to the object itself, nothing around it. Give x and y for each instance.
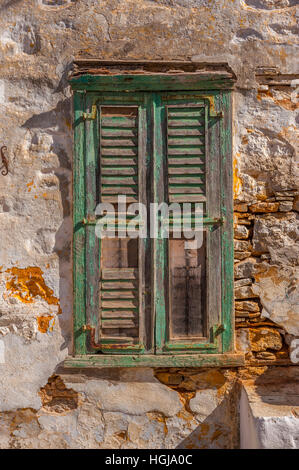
(150, 360)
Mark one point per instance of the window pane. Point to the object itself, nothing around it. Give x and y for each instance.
(187, 284)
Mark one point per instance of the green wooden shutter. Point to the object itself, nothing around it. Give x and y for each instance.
(186, 152)
(145, 296)
(190, 306)
(120, 279)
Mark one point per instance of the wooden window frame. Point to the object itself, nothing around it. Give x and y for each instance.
(215, 90)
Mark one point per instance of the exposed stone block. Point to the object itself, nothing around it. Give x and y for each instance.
(261, 207)
(243, 282)
(265, 355)
(240, 255)
(241, 232)
(285, 206)
(242, 245)
(248, 305)
(244, 292)
(57, 398)
(204, 402)
(241, 207)
(246, 314)
(264, 338)
(277, 288)
(242, 340)
(245, 269)
(296, 204)
(277, 235)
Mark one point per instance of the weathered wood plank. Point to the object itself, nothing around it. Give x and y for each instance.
(119, 181)
(185, 122)
(186, 161)
(186, 112)
(119, 273)
(126, 304)
(119, 171)
(119, 143)
(186, 151)
(118, 132)
(156, 82)
(185, 170)
(174, 141)
(118, 152)
(119, 121)
(91, 200)
(118, 314)
(119, 285)
(160, 304)
(115, 189)
(79, 279)
(114, 199)
(119, 323)
(186, 179)
(227, 212)
(187, 132)
(151, 360)
(118, 161)
(118, 294)
(186, 198)
(198, 189)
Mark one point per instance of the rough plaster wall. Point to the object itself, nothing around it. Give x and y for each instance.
(38, 41)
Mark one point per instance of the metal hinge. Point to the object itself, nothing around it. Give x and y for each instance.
(212, 110)
(217, 329)
(93, 113)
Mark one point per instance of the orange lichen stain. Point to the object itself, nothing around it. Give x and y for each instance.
(20, 417)
(213, 378)
(251, 373)
(186, 416)
(185, 398)
(237, 182)
(289, 133)
(285, 102)
(29, 186)
(230, 378)
(160, 418)
(45, 323)
(25, 284)
(261, 196)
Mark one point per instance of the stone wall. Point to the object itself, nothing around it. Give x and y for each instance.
(43, 405)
